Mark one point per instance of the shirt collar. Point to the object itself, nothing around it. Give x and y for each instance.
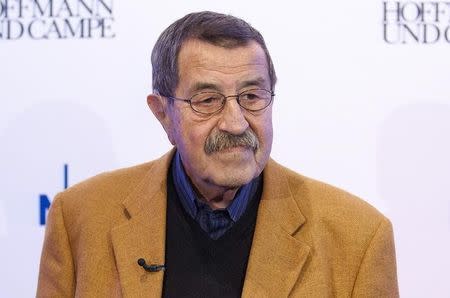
(191, 201)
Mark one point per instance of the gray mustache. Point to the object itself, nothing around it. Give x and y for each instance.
(223, 140)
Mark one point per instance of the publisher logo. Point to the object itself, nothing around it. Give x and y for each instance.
(416, 22)
(56, 19)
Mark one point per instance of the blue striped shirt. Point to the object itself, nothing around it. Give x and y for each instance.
(214, 222)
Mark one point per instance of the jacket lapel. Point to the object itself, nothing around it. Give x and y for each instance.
(276, 257)
(143, 233)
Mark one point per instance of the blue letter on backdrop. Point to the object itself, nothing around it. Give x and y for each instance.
(44, 204)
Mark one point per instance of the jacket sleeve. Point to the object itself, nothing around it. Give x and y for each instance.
(56, 273)
(377, 276)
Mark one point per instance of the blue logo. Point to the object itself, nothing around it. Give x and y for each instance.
(44, 202)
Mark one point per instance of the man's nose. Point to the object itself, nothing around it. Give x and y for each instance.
(232, 117)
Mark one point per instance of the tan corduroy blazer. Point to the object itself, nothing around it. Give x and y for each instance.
(311, 239)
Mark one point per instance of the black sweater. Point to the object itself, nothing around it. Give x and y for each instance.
(198, 266)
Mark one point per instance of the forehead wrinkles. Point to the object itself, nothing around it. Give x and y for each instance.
(198, 54)
(222, 78)
(222, 63)
(226, 58)
(229, 69)
(222, 75)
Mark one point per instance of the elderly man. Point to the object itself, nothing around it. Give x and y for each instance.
(214, 217)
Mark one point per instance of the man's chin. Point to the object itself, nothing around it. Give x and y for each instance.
(234, 167)
(234, 177)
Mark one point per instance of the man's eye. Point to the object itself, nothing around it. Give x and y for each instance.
(206, 99)
(210, 99)
(250, 96)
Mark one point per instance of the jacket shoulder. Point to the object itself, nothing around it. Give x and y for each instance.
(112, 185)
(99, 198)
(323, 199)
(332, 211)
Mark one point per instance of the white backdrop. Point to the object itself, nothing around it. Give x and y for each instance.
(353, 108)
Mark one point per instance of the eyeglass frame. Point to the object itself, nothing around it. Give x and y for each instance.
(189, 100)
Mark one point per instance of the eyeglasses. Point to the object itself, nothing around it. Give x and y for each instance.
(252, 100)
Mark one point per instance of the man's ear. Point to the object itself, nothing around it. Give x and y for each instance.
(160, 108)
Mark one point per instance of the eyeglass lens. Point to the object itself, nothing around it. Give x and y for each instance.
(211, 102)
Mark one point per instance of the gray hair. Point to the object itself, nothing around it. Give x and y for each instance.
(218, 29)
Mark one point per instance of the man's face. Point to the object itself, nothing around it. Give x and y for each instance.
(206, 67)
